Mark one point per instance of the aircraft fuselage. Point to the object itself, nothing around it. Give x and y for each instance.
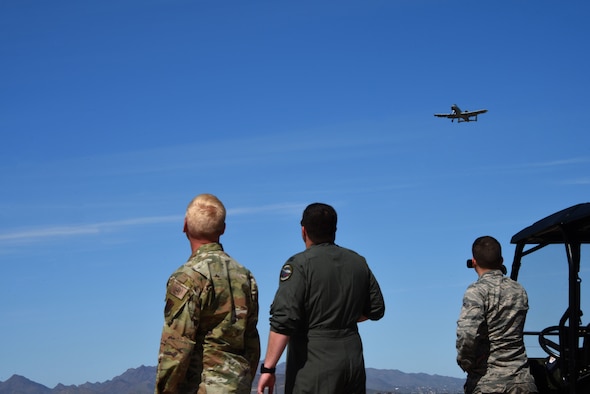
(462, 116)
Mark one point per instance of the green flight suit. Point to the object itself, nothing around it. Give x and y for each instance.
(323, 291)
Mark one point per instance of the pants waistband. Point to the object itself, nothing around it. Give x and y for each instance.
(331, 332)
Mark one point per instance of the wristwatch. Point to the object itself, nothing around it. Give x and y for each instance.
(263, 369)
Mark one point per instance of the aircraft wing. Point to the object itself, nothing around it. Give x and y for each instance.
(449, 116)
(473, 113)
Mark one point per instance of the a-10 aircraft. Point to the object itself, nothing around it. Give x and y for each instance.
(462, 116)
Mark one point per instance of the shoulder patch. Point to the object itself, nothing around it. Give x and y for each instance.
(286, 272)
(177, 289)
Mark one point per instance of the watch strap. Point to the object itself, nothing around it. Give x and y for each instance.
(263, 369)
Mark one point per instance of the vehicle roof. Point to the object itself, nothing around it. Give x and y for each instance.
(573, 221)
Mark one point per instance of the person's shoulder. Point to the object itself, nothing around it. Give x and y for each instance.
(473, 286)
(299, 257)
(196, 269)
(212, 259)
(183, 274)
(198, 264)
(296, 263)
(516, 286)
(351, 256)
(311, 253)
(237, 266)
(180, 287)
(349, 251)
(181, 270)
(477, 289)
(474, 296)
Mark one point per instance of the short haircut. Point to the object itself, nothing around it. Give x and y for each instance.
(205, 216)
(487, 252)
(319, 221)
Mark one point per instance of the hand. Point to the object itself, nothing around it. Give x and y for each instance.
(266, 380)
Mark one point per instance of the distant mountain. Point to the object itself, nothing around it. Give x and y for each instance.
(133, 381)
(20, 385)
(385, 381)
(142, 380)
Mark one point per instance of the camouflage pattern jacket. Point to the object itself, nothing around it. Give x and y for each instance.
(490, 345)
(210, 342)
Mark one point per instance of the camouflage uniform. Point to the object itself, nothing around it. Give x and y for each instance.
(490, 346)
(209, 343)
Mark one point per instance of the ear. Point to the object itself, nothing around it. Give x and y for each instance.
(185, 228)
(308, 242)
(222, 230)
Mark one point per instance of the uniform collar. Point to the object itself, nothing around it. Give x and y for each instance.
(210, 247)
(492, 273)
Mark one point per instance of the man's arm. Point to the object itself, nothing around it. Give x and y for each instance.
(276, 345)
(468, 325)
(251, 337)
(375, 308)
(178, 336)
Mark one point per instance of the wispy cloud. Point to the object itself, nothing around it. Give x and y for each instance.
(288, 146)
(37, 234)
(535, 166)
(578, 181)
(558, 163)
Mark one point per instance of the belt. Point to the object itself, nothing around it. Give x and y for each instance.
(331, 332)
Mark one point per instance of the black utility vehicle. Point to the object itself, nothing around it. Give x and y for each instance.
(566, 367)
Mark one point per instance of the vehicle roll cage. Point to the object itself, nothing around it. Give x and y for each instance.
(570, 227)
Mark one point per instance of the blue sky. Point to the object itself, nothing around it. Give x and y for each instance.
(115, 114)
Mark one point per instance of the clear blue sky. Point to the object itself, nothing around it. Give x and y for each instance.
(114, 114)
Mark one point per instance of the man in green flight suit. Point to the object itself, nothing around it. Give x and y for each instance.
(209, 342)
(323, 292)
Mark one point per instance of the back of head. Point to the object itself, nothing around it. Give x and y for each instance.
(205, 217)
(319, 221)
(487, 252)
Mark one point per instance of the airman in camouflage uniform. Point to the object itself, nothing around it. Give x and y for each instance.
(490, 345)
(209, 342)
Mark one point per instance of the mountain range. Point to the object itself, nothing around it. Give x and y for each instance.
(142, 380)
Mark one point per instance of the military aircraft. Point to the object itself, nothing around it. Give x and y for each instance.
(462, 116)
